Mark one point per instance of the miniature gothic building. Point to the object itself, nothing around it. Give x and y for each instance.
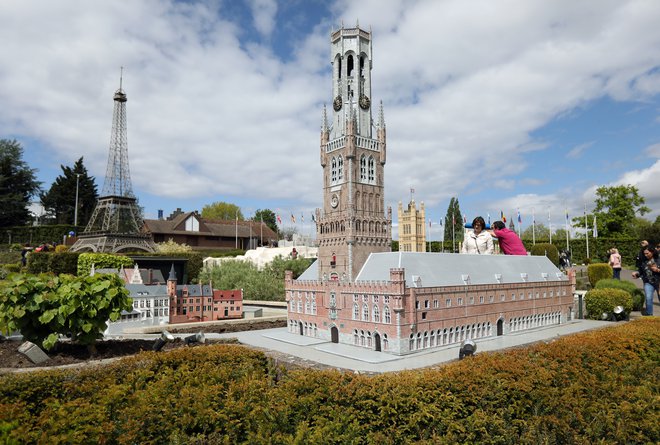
(360, 293)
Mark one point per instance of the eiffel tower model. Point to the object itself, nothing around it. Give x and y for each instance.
(116, 223)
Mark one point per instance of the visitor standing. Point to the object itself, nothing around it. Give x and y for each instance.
(509, 241)
(649, 272)
(478, 240)
(615, 262)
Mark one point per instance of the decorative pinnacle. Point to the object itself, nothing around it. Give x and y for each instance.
(381, 116)
(120, 96)
(324, 121)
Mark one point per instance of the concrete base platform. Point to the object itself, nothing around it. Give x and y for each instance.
(366, 360)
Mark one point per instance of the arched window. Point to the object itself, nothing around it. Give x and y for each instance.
(313, 307)
(365, 312)
(340, 168)
(376, 314)
(356, 312)
(372, 170)
(333, 169)
(363, 168)
(386, 315)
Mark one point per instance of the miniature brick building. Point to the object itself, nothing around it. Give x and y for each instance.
(360, 293)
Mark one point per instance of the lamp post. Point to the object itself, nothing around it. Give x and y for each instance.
(75, 211)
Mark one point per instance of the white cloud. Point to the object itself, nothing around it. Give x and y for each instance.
(578, 150)
(464, 85)
(653, 150)
(263, 12)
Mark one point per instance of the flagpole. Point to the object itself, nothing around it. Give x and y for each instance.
(550, 226)
(236, 230)
(586, 229)
(568, 249)
(533, 227)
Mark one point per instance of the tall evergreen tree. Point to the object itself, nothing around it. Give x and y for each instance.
(18, 184)
(454, 218)
(60, 200)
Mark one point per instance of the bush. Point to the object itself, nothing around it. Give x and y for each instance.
(598, 271)
(43, 306)
(101, 261)
(37, 262)
(546, 249)
(595, 387)
(599, 301)
(61, 248)
(637, 294)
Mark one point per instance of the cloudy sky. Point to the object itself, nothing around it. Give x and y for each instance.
(505, 104)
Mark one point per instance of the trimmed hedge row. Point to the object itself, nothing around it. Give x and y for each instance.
(595, 387)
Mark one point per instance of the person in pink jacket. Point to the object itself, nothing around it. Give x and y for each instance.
(615, 262)
(510, 244)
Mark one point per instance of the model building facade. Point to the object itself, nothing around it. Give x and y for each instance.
(360, 293)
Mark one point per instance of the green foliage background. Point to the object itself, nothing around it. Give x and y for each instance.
(598, 271)
(101, 261)
(546, 249)
(596, 387)
(267, 284)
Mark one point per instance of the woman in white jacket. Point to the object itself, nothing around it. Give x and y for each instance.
(479, 241)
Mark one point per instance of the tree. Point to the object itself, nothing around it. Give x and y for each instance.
(615, 210)
(60, 200)
(560, 234)
(538, 232)
(18, 184)
(222, 210)
(268, 217)
(454, 218)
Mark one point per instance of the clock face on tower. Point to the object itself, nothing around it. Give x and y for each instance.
(334, 201)
(336, 104)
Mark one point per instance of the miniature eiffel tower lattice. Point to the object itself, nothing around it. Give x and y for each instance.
(116, 223)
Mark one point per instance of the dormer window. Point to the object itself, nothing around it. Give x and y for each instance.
(192, 224)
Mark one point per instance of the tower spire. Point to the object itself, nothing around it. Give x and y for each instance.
(324, 120)
(381, 116)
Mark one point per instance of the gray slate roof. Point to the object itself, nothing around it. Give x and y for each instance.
(451, 269)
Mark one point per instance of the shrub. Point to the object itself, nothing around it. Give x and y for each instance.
(101, 261)
(598, 271)
(599, 301)
(637, 294)
(43, 306)
(61, 248)
(546, 249)
(595, 387)
(37, 262)
(63, 262)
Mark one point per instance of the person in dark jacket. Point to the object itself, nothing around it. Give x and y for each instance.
(649, 272)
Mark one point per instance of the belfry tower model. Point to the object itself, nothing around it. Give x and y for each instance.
(116, 223)
(352, 223)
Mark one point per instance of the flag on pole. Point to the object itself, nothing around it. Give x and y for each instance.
(595, 228)
(464, 219)
(566, 216)
(489, 219)
(429, 223)
(441, 221)
(302, 218)
(519, 218)
(293, 218)
(279, 220)
(502, 217)
(313, 218)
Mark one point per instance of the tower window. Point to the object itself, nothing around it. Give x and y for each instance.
(363, 168)
(362, 66)
(349, 66)
(340, 168)
(333, 169)
(372, 169)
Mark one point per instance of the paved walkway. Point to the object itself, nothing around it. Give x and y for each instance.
(366, 360)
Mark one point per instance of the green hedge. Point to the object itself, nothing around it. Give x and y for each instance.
(194, 264)
(101, 261)
(36, 235)
(57, 263)
(598, 271)
(548, 250)
(636, 293)
(600, 386)
(600, 301)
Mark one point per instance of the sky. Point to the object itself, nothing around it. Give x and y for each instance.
(507, 105)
